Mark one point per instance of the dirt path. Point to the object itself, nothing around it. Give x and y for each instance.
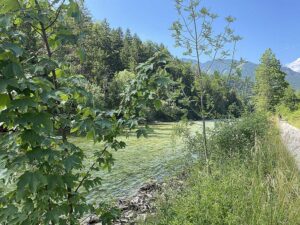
(291, 138)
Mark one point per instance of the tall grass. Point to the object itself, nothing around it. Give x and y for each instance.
(261, 186)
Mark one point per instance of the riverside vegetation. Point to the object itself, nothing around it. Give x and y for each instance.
(79, 98)
(255, 181)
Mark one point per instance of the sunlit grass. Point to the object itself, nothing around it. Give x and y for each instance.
(156, 157)
(294, 118)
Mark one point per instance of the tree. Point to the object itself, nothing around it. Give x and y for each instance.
(270, 82)
(41, 103)
(126, 50)
(290, 99)
(117, 88)
(194, 32)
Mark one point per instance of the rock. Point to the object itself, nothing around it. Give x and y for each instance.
(135, 200)
(149, 195)
(123, 204)
(141, 204)
(124, 221)
(150, 187)
(91, 219)
(181, 182)
(142, 217)
(129, 214)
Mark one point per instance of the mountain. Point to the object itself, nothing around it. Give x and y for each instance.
(248, 70)
(295, 66)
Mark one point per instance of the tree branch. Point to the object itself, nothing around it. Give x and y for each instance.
(88, 172)
(56, 16)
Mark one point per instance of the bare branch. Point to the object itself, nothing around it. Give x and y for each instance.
(232, 60)
(38, 30)
(188, 28)
(56, 16)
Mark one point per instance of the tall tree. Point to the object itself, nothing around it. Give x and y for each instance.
(126, 50)
(290, 99)
(194, 32)
(270, 82)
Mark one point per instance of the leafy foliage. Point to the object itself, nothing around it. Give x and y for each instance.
(42, 102)
(290, 99)
(270, 82)
(148, 88)
(243, 133)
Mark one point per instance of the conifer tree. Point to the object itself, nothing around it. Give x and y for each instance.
(270, 82)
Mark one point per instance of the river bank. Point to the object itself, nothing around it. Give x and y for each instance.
(135, 209)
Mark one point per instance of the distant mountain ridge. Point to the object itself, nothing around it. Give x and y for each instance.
(295, 66)
(248, 70)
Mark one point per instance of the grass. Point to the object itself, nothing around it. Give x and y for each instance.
(156, 157)
(261, 188)
(293, 117)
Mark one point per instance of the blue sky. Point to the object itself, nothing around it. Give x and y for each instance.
(262, 23)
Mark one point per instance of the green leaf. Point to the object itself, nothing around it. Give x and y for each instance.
(66, 37)
(12, 70)
(72, 162)
(13, 48)
(74, 10)
(55, 181)
(104, 123)
(81, 54)
(38, 153)
(23, 104)
(157, 104)
(110, 215)
(7, 82)
(30, 181)
(9, 5)
(163, 81)
(53, 216)
(5, 21)
(63, 97)
(4, 101)
(53, 42)
(7, 212)
(90, 134)
(41, 122)
(46, 65)
(87, 112)
(141, 132)
(59, 73)
(74, 129)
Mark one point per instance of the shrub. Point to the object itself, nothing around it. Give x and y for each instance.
(239, 135)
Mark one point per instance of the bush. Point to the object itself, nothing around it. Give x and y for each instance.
(239, 135)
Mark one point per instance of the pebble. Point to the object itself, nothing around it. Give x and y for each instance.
(138, 206)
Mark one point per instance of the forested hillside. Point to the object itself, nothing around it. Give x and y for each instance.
(108, 58)
(246, 69)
